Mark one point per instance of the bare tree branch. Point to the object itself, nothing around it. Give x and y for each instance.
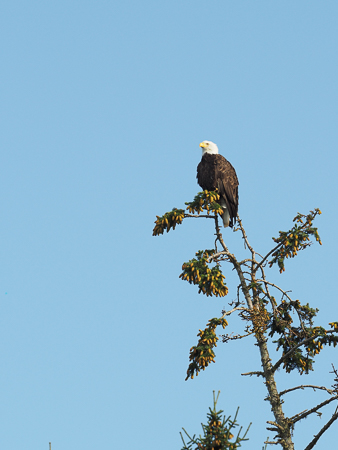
(321, 432)
(305, 413)
(245, 237)
(237, 308)
(267, 255)
(234, 261)
(246, 260)
(277, 287)
(205, 216)
(307, 386)
(272, 300)
(217, 255)
(259, 374)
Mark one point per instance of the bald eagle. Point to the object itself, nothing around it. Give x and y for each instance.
(215, 172)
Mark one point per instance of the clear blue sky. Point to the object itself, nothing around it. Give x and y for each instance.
(103, 105)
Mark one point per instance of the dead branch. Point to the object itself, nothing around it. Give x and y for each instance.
(277, 427)
(234, 261)
(322, 431)
(267, 255)
(228, 337)
(237, 308)
(259, 374)
(217, 255)
(277, 287)
(272, 301)
(205, 216)
(305, 413)
(306, 386)
(245, 261)
(245, 237)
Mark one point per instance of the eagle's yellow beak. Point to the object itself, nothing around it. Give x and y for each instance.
(203, 144)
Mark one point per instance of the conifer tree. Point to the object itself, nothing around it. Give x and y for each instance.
(267, 310)
(217, 433)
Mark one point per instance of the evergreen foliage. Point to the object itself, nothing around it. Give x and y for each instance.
(217, 433)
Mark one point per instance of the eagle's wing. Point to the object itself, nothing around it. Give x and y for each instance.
(227, 186)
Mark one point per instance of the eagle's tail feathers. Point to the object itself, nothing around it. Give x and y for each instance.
(226, 218)
(226, 214)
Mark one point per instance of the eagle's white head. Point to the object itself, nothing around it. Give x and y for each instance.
(209, 147)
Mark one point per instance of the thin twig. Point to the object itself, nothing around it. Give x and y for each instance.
(227, 313)
(238, 288)
(306, 386)
(259, 374)
(272, 301)
(268, 254)
(278, 427)
(216, 255)
(245, 261)
(277, 287)
(200, 215)
(216, 244)
(227, 337)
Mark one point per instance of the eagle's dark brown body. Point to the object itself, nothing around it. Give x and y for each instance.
(215, 172)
